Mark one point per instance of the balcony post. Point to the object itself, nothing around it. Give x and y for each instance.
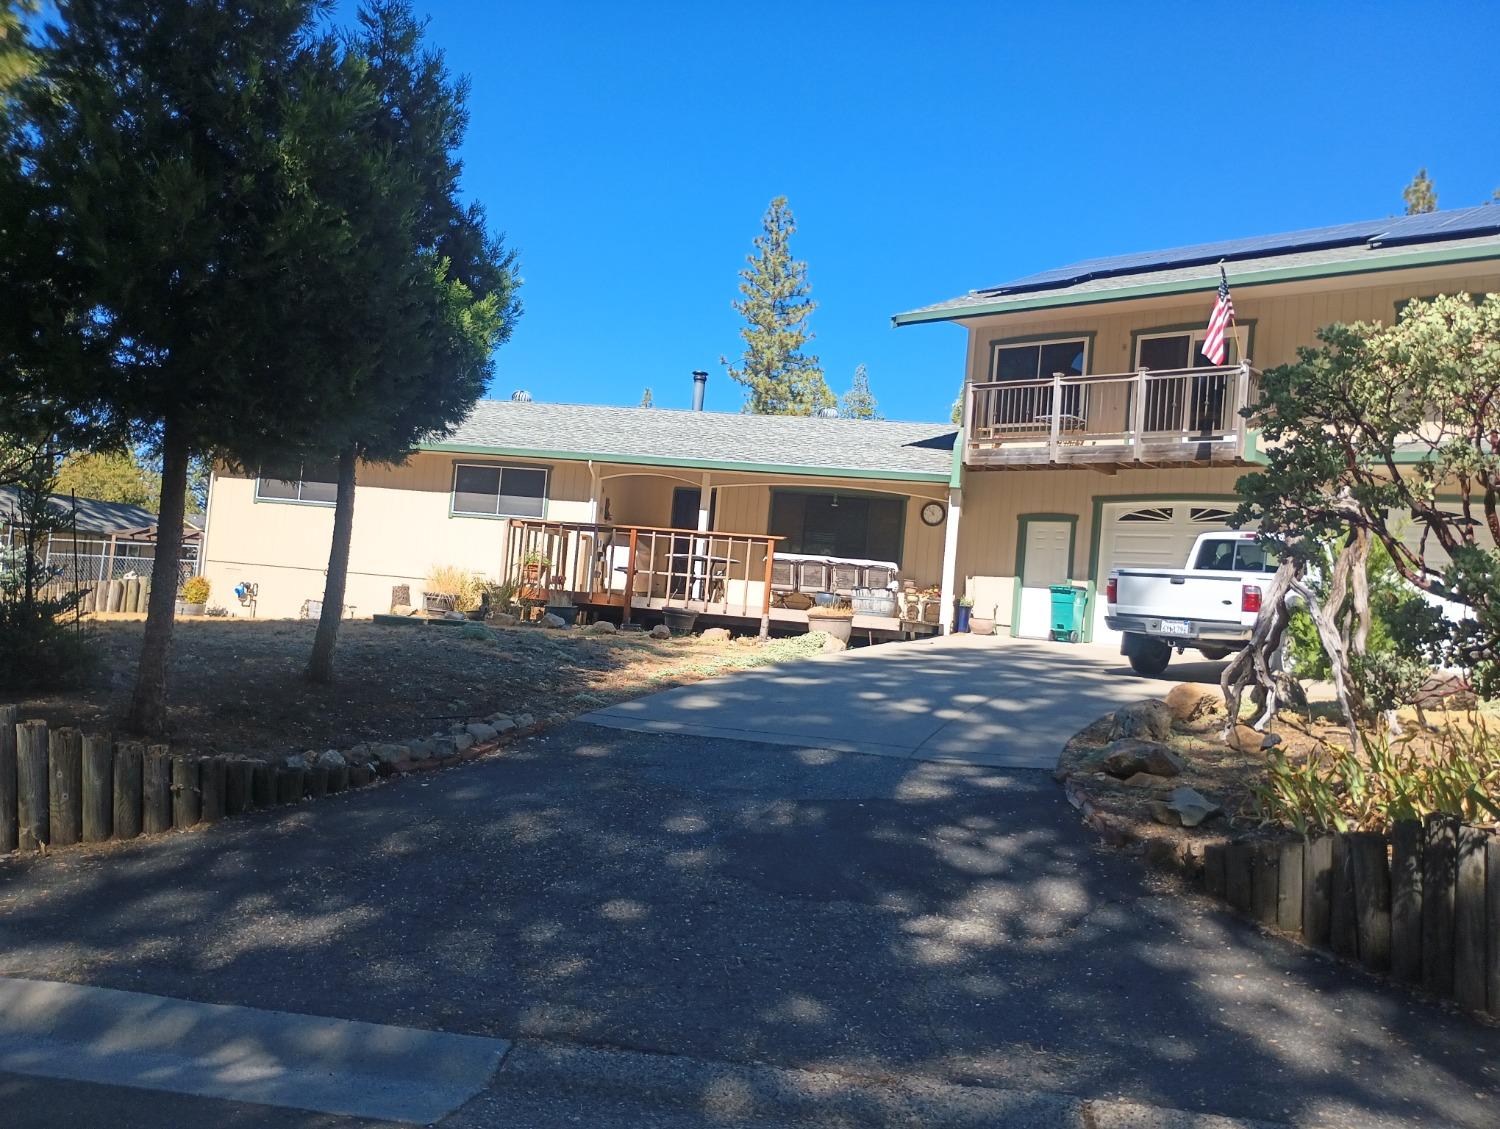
(1138, 423)
(1056, 417)
(1241, 424)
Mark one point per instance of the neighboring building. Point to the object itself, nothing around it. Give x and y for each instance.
(103, 540)
(1095, 434)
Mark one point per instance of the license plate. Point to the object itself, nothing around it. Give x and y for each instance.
(1176, 627)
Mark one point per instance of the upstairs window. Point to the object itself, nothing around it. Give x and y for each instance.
(314, 483)
(489, 490)
(1030, 406)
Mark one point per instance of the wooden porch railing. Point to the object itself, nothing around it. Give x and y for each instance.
(644, 566)
(1185, 415)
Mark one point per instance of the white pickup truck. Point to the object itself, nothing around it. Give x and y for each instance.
(1211, 605)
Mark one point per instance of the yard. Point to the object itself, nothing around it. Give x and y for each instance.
(236, 686)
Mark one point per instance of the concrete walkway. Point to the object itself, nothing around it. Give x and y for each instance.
(979, 701)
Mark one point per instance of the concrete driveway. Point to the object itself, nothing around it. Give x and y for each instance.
(981, 701)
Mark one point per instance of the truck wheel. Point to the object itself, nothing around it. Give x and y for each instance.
(1150, 657)
(1214, 654)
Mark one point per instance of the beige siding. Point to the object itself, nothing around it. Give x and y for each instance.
(403, 527)
(994, 503)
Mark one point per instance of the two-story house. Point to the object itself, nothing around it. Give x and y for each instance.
(1096, 433)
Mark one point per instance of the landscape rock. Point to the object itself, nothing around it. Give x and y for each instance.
(1190, 806)
(462, 741)
(456, 617)
(504, 619)
(525, 721)
(832, 645)
(387, 754)
(1150, 720)
(1130, 755)
(296, 760)
(1145, 780)
(331, 758)
(482, 732)
(403, 609)
(602, 627)
(553, 622)
(446, 746)
(1246, 739)
(1189, 702)
(661, 631)
(420, 750)
(715, 635)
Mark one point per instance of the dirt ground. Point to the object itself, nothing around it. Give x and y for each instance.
(236, 686)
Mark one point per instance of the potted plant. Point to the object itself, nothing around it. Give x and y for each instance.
(965, 610)
(837, 622)
(679, 621)
(532, 565)
(193, 596)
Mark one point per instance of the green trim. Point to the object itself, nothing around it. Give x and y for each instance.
(1096, 533)
(1023, 520)
(905, 501)
(1264, 277)
(1015, 607)
(960, 445)
(618, 459)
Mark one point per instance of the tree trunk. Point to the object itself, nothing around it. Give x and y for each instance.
(320, 664)
(1359, 587)
(148, 704)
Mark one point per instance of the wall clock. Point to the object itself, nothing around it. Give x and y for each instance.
(932, 513)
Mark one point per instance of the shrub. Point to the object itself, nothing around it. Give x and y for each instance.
(1457, 772)
(467, 588)
(196, 590)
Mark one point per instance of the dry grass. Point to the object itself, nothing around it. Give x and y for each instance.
(236, 685)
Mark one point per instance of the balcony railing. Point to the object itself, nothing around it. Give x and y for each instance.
(727, 574)
(1162, 417)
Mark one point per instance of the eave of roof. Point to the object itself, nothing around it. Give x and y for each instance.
(617, 458)
(1153, 284)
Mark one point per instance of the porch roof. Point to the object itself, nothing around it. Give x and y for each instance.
(793, 445)
(94, 516)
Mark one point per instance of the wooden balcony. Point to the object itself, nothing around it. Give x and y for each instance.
(1149, 418)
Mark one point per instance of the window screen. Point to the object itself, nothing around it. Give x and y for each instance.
(499, 491)
(307, 482)
(838, 525)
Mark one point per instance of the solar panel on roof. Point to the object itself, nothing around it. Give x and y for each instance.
(1451, 224)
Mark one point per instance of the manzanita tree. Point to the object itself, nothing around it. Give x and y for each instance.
(1391, 434)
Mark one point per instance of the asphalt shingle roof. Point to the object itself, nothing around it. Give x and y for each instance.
(94, 516)
(669, 436)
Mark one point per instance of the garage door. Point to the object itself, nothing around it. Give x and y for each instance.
(1154, 535)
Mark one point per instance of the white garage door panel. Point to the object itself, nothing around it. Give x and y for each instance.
(1150, 535)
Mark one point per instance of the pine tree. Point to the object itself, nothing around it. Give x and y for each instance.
(859, 401)
(957, 414)
(1420, 195)
(646, 399)
(779, 378)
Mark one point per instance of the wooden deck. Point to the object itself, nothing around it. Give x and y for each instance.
(719, 614)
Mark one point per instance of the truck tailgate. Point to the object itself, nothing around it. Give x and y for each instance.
(1211, 596)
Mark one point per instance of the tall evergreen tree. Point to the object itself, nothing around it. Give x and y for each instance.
(1420, 195)
(859, 401)
(167, 184)
(779, 378)
(420, 293)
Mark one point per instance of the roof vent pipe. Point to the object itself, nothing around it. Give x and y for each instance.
(700, 384)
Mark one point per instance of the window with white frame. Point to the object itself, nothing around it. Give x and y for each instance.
(1018, 362)
(492, 490)
(315, 484)
(1194, 403)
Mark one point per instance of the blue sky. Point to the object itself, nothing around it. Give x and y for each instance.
(629, 150)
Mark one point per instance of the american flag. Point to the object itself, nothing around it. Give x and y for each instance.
(1219, 321)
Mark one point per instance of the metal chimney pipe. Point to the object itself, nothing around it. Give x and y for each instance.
(700, 385)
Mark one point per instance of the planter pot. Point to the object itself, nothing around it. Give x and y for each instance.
(185, 608)
(679, 621)
(978, 626)
(565, 612)
(836, 627)
(436, 602)
(825, 599)
(961, 618)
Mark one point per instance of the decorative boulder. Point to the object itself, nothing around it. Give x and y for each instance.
(296, 760)
(832, 644)
(331, 758)
(504, 619)
(1245, 739)
(1190, 703)
(554, 622)
(1149, 720)
(456, 617)
(661, 631)
(602, 627)
(403, 609)
(1130, 755)
(1191, 806)
(482, 732)
(716, 635)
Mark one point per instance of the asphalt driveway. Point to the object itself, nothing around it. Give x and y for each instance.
(752, 903)
(985, 701)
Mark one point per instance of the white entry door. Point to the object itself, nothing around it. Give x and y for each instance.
(1044, 562)
(1150, 535)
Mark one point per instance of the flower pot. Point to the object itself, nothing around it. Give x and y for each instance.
(961, 618)
(565, 612)
(825, 599)
(679, 621)
(835, 626)
(980, 626)
(185, 608)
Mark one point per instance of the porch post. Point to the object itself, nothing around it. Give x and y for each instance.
(593, 493)
(950, 557)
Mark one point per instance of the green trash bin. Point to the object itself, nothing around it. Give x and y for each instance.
(1067, 612)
